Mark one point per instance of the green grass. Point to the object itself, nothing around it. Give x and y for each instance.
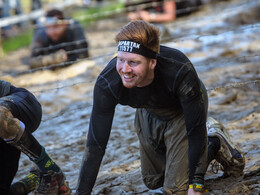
(16, 42)
(83, 15)
(86, 15)
(26, 5)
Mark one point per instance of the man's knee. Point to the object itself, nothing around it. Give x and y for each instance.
(175, 191)
(176, 183)
(153, 181)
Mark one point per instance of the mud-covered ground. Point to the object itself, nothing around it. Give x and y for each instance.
(221, 39)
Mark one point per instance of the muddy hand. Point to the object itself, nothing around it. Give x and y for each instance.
(65, 189)
(9, 126)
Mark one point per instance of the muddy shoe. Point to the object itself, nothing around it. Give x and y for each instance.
(26, 184)
(229, 155)
(52, 183)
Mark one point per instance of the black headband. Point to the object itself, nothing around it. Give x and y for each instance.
(133, 47)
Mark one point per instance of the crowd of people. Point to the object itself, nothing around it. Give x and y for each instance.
(177, 138)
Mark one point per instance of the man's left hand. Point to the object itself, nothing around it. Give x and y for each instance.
(193, 192)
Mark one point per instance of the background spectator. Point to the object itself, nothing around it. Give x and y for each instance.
(159, 11)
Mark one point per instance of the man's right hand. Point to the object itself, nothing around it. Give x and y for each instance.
(46, 60)
(55, 58)
(193, 192)
(60, 56)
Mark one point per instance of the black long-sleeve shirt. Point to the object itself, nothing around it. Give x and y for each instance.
(174, 90)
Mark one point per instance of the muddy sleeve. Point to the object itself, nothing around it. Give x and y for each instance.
(39, 41)
(46, 60)
(80, 40)
(98, 135)
(39, 52)
(193, 105)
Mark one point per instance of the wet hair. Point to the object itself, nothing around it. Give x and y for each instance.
(55, 13)
(141, 32)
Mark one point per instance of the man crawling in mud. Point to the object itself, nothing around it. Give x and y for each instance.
(20, 116)
(177, 138)
(57, 40)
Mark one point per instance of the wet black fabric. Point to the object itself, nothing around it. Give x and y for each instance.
(27, 109)
(185, 7)
(175, 88)
(5, 88)
(9, 162)
(213, 148)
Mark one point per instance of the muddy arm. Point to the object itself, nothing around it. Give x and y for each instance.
(45, 60)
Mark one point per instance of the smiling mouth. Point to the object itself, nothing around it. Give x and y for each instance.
(128, 76)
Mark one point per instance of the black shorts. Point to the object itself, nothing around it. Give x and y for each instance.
(27, 109)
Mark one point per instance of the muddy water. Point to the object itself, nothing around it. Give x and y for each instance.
(222, 40)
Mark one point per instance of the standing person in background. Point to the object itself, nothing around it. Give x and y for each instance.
(20, 116)
(160, 11)
(10, 8)
(36, 4)
(177, 142)
(58, 40)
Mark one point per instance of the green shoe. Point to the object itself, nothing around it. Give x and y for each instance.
(52, 183)
(26, 184)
